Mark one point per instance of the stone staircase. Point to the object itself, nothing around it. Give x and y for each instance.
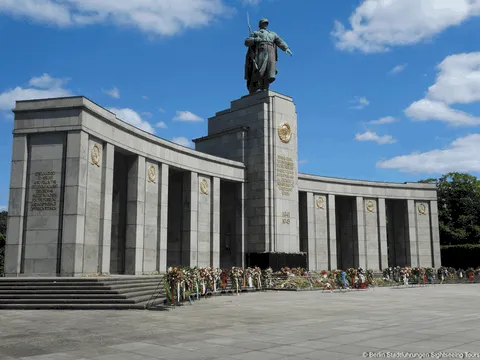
(115, 292)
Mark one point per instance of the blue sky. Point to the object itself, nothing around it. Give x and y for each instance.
(385, 91)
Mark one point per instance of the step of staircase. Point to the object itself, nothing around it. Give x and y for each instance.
(129, 292)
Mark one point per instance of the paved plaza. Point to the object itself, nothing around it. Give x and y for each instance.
(271, 325)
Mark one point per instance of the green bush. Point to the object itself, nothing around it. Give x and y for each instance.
(461, 256)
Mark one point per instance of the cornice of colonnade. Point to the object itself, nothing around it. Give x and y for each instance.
(368, 189)
(81, 114)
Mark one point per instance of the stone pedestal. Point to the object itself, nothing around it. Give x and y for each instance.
(261, 130)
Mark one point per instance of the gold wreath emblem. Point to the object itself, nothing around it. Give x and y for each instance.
(95, 155)
(204, 186)
(152, 174)
(370, 206)
(284, 132)
(422, 209)
(320, 202)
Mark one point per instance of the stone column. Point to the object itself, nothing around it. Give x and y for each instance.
(382, 233)
(92, 239)
(361, 252)
(135, 216)
(106, 210)
(240, 226)
(412, 234)
(332, 233)
(424, 235)
(320, 208)
(437, 259)
(205, 217)
(16, 206)
(215, 245)
(74, 204)
(163, 220)
(190, 219)
(311, 244)
(152, 197)
(372, 248)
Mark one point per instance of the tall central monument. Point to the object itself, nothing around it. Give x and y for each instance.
(260, 130)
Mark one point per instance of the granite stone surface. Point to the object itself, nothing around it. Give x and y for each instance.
(271, 325)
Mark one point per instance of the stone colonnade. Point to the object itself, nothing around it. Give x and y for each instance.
(339, 231)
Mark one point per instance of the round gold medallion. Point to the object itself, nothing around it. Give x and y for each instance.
(95, 155)
(152, 174)
(320, 202)
(204, 186)
(422, 209)
(370, 206)
(284, 132)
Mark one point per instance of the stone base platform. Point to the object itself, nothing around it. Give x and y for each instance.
(87, 293)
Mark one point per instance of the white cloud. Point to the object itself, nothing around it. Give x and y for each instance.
(383, 120)
(3, 208)
(145, 97)
(42, 87)
(182, 141)
(161, 110)
(378, 25)
(162, 17)
(187, 116)
(424, 110)
(301, 162)
(372, 136)
(45, 81)
(161, 125)
(398, 69)
(132, 117)
(114, 93)
(458, 156)
(457, 82)
(147, 114)
(360, 102)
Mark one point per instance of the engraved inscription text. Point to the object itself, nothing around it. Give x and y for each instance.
(44, 197)
(285, 174)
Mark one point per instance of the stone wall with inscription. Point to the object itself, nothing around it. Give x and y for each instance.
(285, 169)
(151, 235)
(42, 238)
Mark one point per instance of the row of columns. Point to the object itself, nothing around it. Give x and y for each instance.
(368, 244)
(86, 208)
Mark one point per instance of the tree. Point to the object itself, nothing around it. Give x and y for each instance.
(458, 208)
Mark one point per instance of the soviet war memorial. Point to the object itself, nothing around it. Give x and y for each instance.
(252, 237)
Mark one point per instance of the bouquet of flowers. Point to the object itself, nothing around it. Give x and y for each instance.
(236, 274)
(267, 276)
(224, 275)
(461, 274)
(257, 277)
(470, 274)
(298, 271)
(248, 273)
(370, 277)
(386, 274)
(451, 273)
(324, 274)
(285, 271)
(352, 276)
(429, 272)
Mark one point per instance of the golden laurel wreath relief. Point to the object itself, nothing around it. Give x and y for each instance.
(284, 132)
(422, 209)
(320, 202)
(370, 206)
(204, 187)
(152, 174)
(95, 155)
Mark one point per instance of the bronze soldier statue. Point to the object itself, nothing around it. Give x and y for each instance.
(262, 55)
